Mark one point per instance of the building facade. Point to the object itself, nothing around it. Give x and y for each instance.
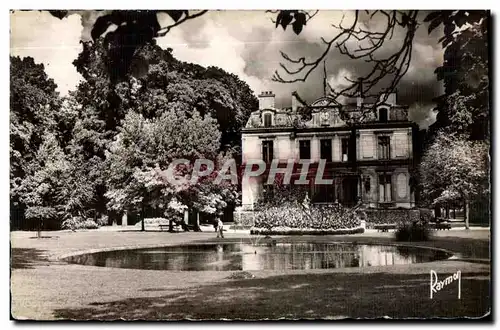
(366, 152)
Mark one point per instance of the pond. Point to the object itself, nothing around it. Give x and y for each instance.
(271, 256)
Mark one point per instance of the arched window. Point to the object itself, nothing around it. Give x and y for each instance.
(383, 115)
(268, 120)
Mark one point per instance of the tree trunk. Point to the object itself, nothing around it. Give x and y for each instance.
(437, 211)
(142, 221)
(39, 232)
(171, 225)
(185, 221)
(197, 223)
(466, 213)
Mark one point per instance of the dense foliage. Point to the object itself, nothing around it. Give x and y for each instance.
(102, 149)
(33, 102)
(464, 108)
(143, 151)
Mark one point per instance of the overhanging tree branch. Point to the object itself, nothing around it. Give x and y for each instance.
(185, 18)
(387, 70)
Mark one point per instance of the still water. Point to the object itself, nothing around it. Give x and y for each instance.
(247, 256)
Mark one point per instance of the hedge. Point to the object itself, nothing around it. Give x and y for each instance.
(391, 216)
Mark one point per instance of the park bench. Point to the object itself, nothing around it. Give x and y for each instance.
(163, 226)
(441, 224)
(176, 225)
(384, 227)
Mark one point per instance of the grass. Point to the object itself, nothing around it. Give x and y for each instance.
(44, 288)
(309, 296)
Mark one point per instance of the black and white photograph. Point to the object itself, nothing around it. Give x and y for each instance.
(250, 165)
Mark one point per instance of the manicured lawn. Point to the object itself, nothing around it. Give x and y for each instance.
(301, 296)
(45, 288)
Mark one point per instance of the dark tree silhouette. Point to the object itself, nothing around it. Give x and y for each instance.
(134, 29)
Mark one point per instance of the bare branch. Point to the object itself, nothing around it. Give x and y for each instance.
(388, 70)
(167, 29)
(307, 67)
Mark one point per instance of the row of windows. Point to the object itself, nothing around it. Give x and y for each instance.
(384, 149)
(346, 192)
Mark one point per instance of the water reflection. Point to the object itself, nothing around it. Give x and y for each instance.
(241, 256)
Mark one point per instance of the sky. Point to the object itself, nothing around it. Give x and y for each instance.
(245, 43)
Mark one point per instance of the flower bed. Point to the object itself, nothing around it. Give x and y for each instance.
(294, 219)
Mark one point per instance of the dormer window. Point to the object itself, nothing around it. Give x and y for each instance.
(268, 119)
(383, 115)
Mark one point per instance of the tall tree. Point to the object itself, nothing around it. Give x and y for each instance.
(33, 101)
(40, 189)
(455, 168)
(143, 151)
(464, 107)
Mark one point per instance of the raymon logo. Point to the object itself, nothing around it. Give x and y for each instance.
(438, 285)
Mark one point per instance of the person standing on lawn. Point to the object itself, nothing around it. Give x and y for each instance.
(215, 223)
(220, 227)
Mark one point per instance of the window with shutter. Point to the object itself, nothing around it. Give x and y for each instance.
(326, 149)
(305, 149)
(267, 151)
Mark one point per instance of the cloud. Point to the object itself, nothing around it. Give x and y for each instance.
(423, 114)
(50, 41)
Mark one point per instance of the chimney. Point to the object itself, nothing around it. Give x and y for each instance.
(359, 100)
(266, 100)
(295, 102)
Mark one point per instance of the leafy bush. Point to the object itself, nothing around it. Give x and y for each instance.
(103, 220)
(426, 215)
(413, 232)
(318, 217)
(75, 223)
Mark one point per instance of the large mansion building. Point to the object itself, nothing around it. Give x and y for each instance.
(368, 151)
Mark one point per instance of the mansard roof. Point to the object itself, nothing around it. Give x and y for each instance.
(324, 112)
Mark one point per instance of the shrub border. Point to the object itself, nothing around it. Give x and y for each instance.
(297, 231)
